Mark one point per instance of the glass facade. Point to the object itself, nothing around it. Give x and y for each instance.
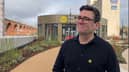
(68, 31)
(40, 30)
(102, 31)
(51, 28)
(51, 31)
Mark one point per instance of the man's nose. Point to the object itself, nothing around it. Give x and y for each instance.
(80, 23)
(81, 20)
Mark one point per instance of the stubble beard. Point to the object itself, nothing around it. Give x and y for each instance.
(86, 32)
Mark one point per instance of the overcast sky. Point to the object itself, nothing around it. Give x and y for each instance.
(26, 11)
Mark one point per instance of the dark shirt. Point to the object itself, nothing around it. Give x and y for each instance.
(96, 56)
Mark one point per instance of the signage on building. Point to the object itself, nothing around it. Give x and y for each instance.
(63, 19)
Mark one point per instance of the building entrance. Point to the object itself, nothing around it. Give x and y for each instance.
(68, 31)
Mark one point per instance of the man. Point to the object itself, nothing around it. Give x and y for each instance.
(87, 52)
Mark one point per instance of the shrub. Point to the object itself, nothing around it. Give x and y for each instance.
(118, 50)
(50, 43)
(9, 59)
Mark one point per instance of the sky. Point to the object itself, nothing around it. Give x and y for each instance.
(26, 11)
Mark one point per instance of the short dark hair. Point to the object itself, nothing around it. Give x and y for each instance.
(93, 9)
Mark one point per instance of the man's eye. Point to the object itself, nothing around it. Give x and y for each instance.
(79, 17)
(86, 18)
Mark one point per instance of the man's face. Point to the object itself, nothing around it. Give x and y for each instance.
(85, 22)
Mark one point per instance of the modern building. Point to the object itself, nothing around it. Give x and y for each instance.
(62, 27)
(56, 27)
(110, 10)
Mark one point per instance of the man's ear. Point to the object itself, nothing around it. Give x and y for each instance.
(97, 25)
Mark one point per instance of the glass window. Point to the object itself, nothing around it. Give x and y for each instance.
(40, 28)
(51, 31)
(114, 1)
(114, 7)
(68, 31)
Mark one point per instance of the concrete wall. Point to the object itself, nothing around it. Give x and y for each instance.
(113, 17)
(7, 43)
(48, 19)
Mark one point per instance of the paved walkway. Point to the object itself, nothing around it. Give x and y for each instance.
(44, 61)
(124, 67)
